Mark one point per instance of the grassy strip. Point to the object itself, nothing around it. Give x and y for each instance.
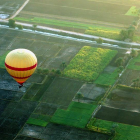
(132, 65)
(37, 122)
(88, 63)
(107, 78)
(43, 88)
(123, 131)
(2, 60)
(77, 115)
(132, 11)
(64, 23)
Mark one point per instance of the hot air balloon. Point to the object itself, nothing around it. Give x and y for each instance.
(20, 64)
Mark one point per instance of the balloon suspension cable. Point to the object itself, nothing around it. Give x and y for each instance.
(21, 85)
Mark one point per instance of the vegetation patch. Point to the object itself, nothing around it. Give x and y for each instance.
(107, 78)
(132, 65)
(67, 24)
(2, 60)
(88, 63)
(122, 131)
(37, 122)
(132, 11)
(77, 115)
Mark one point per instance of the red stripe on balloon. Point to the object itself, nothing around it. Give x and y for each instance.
(20, 77)
(20, 69)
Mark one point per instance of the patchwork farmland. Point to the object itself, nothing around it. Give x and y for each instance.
(51, 99)
(82, 89)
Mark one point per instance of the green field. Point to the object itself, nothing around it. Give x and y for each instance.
(2, 60)
(132, 11)
(38, 122)
(89, 63)
(123, 131)
(77, 115)
(134, 63)
(107, 78)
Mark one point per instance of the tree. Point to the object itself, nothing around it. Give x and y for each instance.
(12, 23)
(134, 81)
(121, 68)
(134, 23)
(20, 27)
(113, 127)
(131, 31)
(100, 41)
(123, 34)
(39, 70)
(119, 61)
(45, 71)
(34, 26)
(79, 96)
(63, 65)
(42, 71)
(134, 53)
(58, 72)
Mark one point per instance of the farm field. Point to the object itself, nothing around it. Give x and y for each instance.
(77, 115)
(8, 7)
(120, 128)
(108, 12)
(110, 74)
(98, 57)
(51, 52)
(92, 93)
(55, 131)
(42, 95)
(123, 2)
(132, 72)
(47, 104)
(60, 92)
(118, 115)
(124, 98)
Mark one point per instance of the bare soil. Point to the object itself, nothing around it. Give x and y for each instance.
(118, 115)
(124, 99)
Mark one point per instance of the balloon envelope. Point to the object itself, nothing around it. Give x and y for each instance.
(20, 64)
